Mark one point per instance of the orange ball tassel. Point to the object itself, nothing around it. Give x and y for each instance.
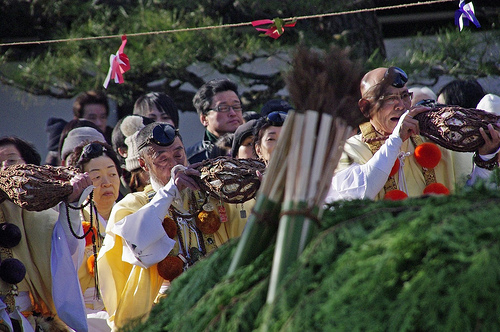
(428, 155)
(170, 267)
(395, 168)
(436, 188)
(170, 227)
(395, 195)
(91, 265)
(86, 227)
(208, 222)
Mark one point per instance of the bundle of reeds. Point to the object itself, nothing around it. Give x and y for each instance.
(324, 88)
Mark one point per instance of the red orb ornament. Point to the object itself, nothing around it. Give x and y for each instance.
(91, 265)
(208, 222)
(395, 168)
(170, 267)
(395, 195)
(88, 237)
(170, 227)
(427, 155)
(437, 189)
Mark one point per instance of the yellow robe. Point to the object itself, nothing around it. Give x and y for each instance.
(44, 250)
(129, 291)
(452, 169)
(34, 252)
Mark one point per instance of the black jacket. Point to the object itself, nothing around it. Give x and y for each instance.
(202, 150)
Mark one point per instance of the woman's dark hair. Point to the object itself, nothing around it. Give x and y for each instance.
(27, 150)
(118, 141)
(464, 93)
(163, 103)
(258, 129)
(85, 152)
(276, 119)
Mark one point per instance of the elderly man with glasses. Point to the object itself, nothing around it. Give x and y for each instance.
(220, 111)
(381, 161)
(154, 235)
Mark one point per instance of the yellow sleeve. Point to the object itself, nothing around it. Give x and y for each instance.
(128, 291)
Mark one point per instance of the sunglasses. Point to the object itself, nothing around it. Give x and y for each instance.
(393, 76)
(276, 118)
(426, 102)
(162, 135)
(396, 76)
(91, 151)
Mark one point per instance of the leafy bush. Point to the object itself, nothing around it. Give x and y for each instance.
(426, 264)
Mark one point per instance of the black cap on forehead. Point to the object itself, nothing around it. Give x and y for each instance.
(159, 133)
(396, 77)
(393, 76)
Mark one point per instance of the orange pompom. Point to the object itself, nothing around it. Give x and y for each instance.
(395, 168)
(88, 238)
(208, 222)
(428, 155)
(170, 227)
(91, 265)
(437, 189)
(170, 267)
(395, 195)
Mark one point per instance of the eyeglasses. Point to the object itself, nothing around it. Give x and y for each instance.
(162, 135)
(11, 161)
(393, 99)
(226, 108)
(276, 118)
(91, 151)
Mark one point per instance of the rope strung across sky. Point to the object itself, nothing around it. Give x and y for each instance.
(224, 26)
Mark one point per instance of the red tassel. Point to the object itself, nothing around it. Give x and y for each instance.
(170, 267)
(170, 227)
(208, 222)
(428, 155)
(91, 265)
(86, 227)
(395, 195)
(437, 189)
(395, 168)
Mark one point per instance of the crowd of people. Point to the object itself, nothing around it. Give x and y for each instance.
(144, 219)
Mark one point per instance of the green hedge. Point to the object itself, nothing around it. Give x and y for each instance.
(427, 264)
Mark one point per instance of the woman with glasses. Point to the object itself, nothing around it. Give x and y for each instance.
(39, 287)
(266, 133)
(14, 151)
(100, 162)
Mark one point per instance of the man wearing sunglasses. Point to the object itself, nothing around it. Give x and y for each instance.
(390, 135)
(220, 111)
(151, 230)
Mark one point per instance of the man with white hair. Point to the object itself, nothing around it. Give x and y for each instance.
(153, 235)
